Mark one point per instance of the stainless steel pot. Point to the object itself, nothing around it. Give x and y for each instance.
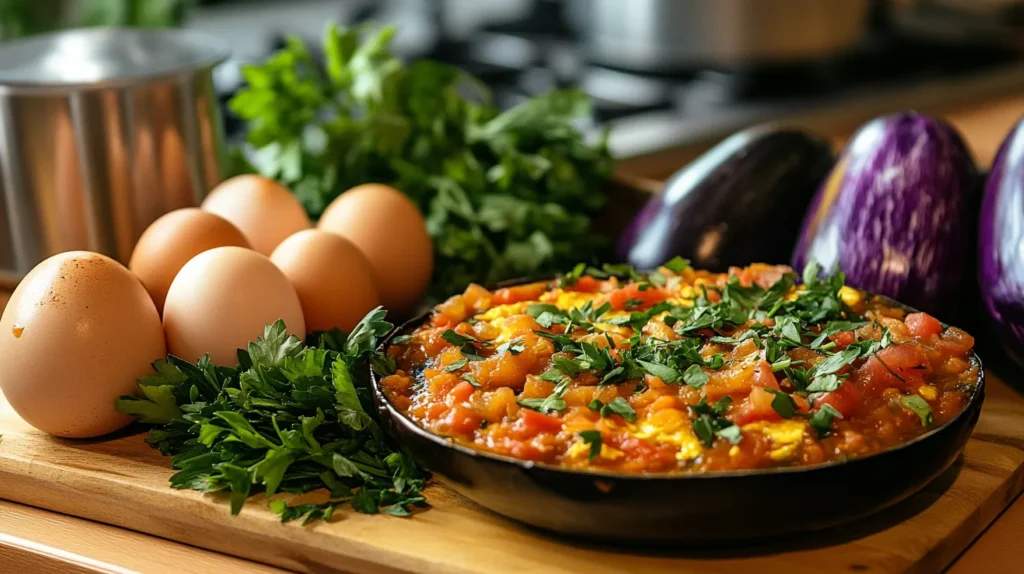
(101, 132)
(669, 35)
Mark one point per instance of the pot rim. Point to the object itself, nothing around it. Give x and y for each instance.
(205, 52)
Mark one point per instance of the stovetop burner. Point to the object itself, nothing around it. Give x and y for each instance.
(522, 57)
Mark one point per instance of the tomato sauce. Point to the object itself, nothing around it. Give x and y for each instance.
(680, 371)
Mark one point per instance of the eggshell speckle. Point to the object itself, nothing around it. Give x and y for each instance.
(222, 299)
(77, 333)
(261, 209)
(332, 277)
(172, 240)
(389, 229)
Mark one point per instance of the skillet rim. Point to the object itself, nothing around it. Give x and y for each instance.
(383, 403)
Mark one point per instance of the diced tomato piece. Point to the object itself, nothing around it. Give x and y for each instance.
(756, 407)
(900, 366)
(955, 342)
(453, 311)
(922, 325)
(762, 274)
(532, 423)
(476, 297)
(846, 399)
(631, 298)
(462, 420)
(461, 392)
(732, 380)
(802, 406)
(528, 292)
(442, 320)
(764, 377)
(585, 284)
(844, 339)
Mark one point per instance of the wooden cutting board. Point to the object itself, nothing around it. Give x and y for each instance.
(122, 481)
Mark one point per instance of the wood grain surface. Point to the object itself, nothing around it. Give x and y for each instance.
(122, 481)
(41, 541)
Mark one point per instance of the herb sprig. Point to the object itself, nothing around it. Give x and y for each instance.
(505, 194)
(289, 418)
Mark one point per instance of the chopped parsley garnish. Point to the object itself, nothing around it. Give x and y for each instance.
(834, 327)
(512, 347)
(783, 404)
(456, 365)
(822, 420)
(920, 407)
(695, 377)
(466, 344)
(469, 379)
(667, 374)
(824, 384)
(710, 422)
(676, 264)
(553, 403)
(592, 438)
(618, 406)
(456, 339)
(776, 319)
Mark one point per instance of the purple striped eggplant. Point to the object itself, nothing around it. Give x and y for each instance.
(898, 213)
(739, 203)
(1001, 244)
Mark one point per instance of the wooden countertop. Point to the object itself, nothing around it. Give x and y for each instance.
(33, 540)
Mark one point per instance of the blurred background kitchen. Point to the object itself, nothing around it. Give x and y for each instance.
(668, 78)
(662, 73)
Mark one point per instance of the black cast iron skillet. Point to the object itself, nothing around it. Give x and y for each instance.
(709, 507)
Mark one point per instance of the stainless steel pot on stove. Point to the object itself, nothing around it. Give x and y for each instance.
(101, 132)
(672, 35)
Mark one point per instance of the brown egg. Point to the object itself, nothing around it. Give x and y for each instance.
(171, 241)
(76, 334)
(261, 209)
(332, 277)
(389, 229)
(222, 299)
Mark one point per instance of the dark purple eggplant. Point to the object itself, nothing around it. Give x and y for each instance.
(1001, 244)
(739, 203)
(898, 213)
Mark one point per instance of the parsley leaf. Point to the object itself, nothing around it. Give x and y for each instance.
(783, 404)
(676, 264)
(667, 374)
(837, 361)
(512, 347)
(834, 327)
(593, 438)
(920, 407)
(620, 407)
(710, 423)
(551, 403)
(695, 377)
(456, 339)
(730, 433)
(822, 420)
(456, 365)
(824, 384)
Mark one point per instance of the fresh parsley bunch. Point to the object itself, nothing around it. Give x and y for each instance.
(505, 194)
(289, 418)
